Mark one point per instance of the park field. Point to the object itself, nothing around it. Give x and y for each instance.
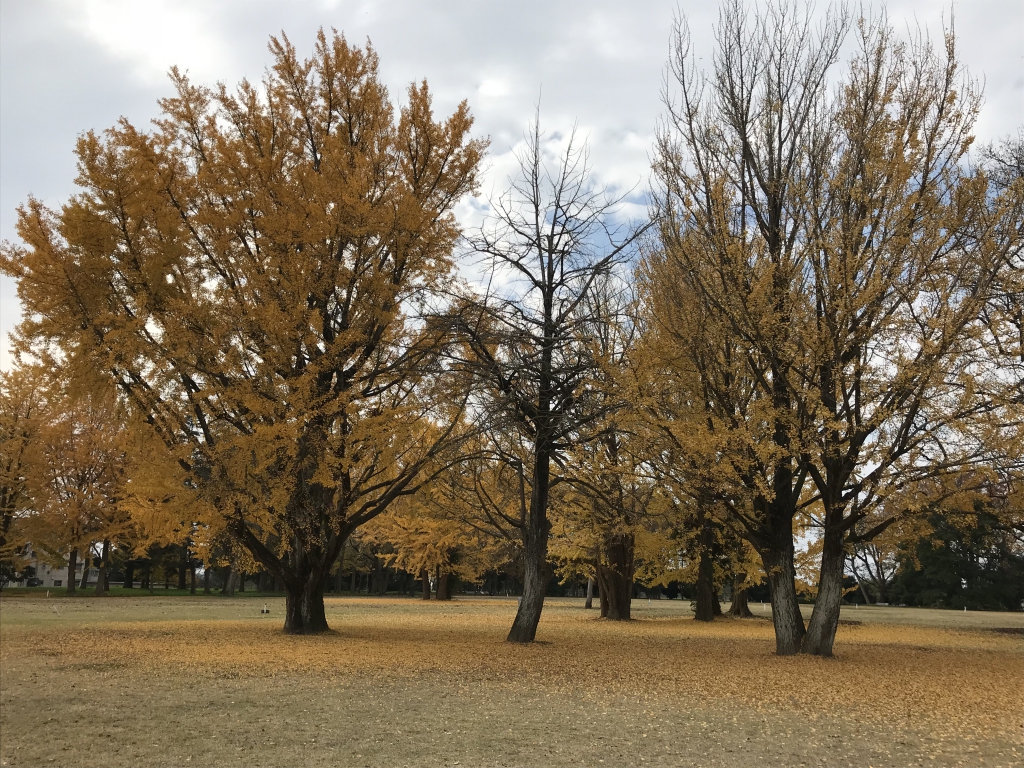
(209, 681)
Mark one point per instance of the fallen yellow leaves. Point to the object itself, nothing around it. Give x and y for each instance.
(952, 680)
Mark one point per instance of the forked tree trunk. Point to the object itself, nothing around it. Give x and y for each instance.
(616, 577)
(821, 629)
(101, 581)
(425, 586)
(590, 593)
(739, 606)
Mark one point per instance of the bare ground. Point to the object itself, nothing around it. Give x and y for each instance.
(211, 682)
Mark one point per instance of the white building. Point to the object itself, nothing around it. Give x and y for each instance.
(47, 575)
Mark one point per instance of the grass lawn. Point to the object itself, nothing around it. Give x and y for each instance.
(208, 681)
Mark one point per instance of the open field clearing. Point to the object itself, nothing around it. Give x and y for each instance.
(208, 681)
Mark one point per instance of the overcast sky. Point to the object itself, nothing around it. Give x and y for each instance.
(71, 65)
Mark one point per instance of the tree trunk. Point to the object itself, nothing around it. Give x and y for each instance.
(304, 606)
(705, 608)
(339, 581)
(101, 581)
(444, 585)
(590, 593)
(265, 581)
(616, 577)
(240, 581)
(207, 571)
(821, 629)
(536, 571)
(72, 567)
(183, 567)
(786, 618)
(228, 590)
(192, 580)
(129, 574)
(739, 606)
(425, 586)
(716, 605)
(85, 568)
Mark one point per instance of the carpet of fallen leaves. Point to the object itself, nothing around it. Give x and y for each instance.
(950, 683)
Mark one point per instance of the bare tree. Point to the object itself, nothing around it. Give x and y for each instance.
(551, 238)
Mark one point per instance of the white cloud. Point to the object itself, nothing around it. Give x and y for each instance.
(71, 65)
(150, 37)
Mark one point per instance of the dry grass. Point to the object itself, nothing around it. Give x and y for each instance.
(183, 681)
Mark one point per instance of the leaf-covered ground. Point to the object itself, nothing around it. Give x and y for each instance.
(209, 681)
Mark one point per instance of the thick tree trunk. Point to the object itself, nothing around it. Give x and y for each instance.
(192, 578)
(705, 608)
(616, 577)
(72, 567)
(445, 582)
(304, 607)
(228, 590)
(240, 581)
(739, 606)
(101, 581)
(590, 593)
(129, 575)
(716, 605)
(821, 629)
(425, 584)
(789, 624)
(207, 571)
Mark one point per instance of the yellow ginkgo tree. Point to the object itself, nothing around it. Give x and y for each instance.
(249, 273)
